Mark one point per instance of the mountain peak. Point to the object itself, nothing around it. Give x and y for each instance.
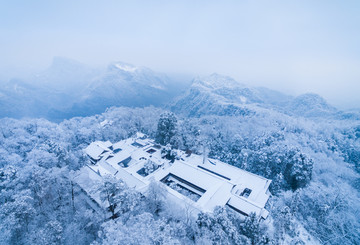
(122, 66)
(311, 104)
(312, 99)
(216, 81)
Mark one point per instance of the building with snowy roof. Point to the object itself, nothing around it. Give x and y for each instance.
(190, 180)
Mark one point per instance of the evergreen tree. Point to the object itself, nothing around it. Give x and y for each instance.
(166, 128)
(251, 228)
(298, 171)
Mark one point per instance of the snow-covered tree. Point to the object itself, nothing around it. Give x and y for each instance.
(155, 197)
(166, 128)
(110, 193)
(298, 173)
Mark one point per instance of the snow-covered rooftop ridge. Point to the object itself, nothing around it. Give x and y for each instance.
(96, 149)
(203, 183)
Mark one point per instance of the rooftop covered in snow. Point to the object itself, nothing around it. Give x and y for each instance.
(189, 179)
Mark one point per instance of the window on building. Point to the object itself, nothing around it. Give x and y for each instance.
(246, 193)
(125, 163)
(117, 150)
(151, 151)
(137, 144)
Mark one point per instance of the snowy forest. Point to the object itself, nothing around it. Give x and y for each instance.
(159, 122)
(313, 163)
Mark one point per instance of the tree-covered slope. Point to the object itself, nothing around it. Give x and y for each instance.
(314, 166)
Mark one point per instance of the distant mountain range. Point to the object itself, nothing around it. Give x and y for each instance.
(217, 94)
(222, 95)
(68, 88)
(121, 84)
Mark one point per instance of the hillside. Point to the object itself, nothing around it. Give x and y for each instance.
(313, 166)
(222, 95)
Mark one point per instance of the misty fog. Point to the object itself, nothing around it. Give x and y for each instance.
(293, 47)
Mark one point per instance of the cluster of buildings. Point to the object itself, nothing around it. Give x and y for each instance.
(190, 180)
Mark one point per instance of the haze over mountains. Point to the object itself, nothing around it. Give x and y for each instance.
(222, 95)
(68, 88)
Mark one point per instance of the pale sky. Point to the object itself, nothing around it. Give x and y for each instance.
(292, 46)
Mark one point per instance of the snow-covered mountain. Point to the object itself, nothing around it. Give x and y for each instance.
(68, 88)
(56, 88)
(141, 75)
(310, 105)
(19, 98)
(65, 75)
(214, 94)
(122, 85)
(222, 95)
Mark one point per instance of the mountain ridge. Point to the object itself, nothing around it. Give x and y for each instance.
(208, 97)
(69, 88)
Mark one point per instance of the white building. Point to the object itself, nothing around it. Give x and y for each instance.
(191, 180)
